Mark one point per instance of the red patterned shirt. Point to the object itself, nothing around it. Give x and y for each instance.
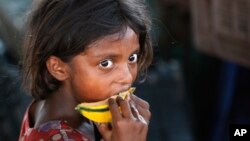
(53, 131)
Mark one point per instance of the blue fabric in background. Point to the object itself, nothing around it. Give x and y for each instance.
(233, 107)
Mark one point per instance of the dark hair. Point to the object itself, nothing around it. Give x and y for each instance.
(64, 28)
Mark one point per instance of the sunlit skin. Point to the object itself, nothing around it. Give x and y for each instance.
(107, 67)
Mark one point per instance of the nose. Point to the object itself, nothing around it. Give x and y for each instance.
(126, 75)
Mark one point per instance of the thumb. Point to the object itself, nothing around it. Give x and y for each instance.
(104, 130)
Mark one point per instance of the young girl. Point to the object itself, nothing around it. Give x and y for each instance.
(85, 51)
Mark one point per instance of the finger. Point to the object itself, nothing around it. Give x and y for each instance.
(134, 110)
(104, 130)
(141, 119)
(138, 115)
(145, 113)
(125, 108)
(113, 107)
(140, 102)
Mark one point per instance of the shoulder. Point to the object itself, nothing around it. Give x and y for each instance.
(54, 131)
(58, 130)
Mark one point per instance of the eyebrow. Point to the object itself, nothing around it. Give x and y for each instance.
(113, 54)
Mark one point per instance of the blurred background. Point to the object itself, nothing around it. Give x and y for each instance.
(198, 83)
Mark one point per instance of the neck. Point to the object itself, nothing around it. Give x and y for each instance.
(59, 106)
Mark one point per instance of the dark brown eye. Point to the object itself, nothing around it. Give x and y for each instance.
(106, 64)
(133, 58)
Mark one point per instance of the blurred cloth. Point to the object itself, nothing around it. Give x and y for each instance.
(221, 28)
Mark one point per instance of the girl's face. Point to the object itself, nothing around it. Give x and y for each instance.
(107, 67)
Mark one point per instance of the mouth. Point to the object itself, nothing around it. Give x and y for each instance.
(126, 94)
(123, 89)
(123, 94)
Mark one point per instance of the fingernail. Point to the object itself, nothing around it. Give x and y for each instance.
(111, 101)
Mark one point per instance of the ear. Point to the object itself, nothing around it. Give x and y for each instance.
(57, 68)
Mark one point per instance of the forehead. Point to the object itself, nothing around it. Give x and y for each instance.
(128, 39)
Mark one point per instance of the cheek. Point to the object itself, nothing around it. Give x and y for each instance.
(93, 87)
(134, 71)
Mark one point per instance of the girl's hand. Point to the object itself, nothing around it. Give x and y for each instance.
(126, 125)
(141, 106)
